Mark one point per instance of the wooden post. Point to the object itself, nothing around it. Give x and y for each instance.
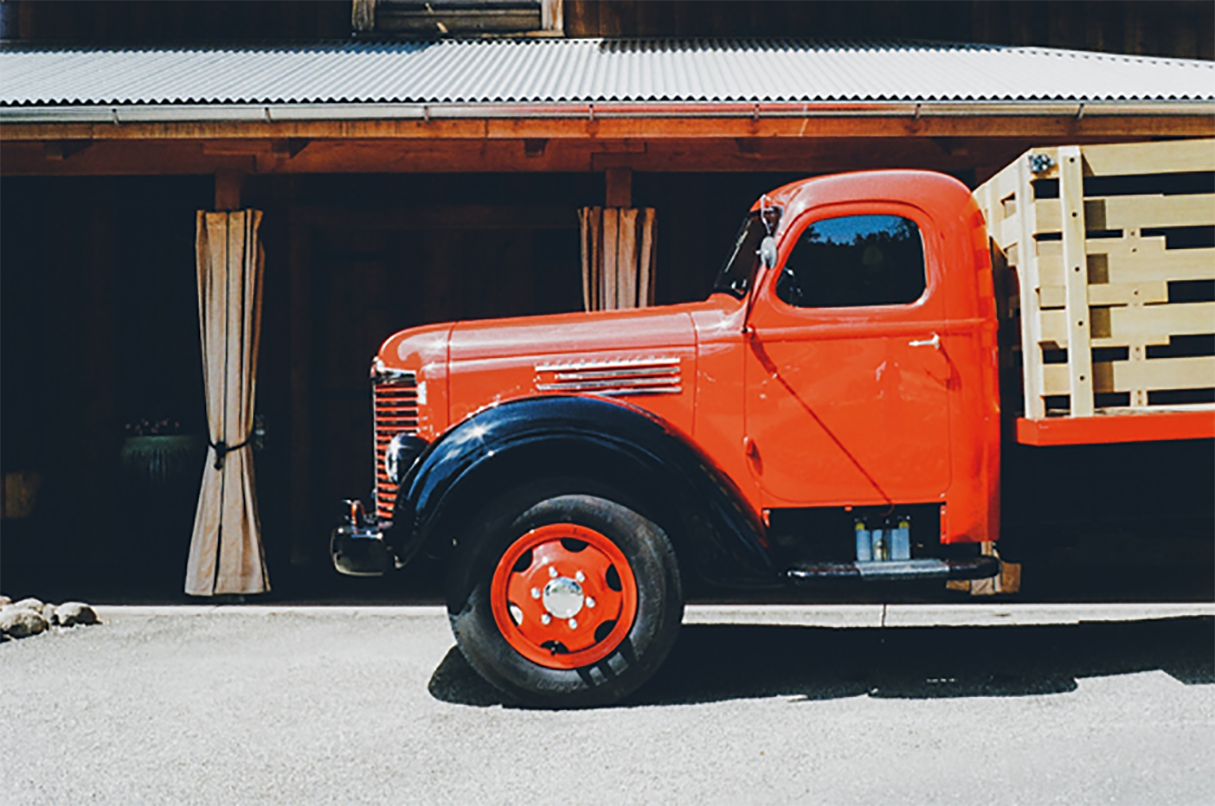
(1075, 267)
(551, 15)
(619, 183)
(362, 16)
(1027, 276)
(227, 190)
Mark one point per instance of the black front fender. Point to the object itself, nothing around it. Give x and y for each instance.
(717, 536)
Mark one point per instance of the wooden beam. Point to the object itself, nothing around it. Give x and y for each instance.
(665, 155)
(1199, 124)
(227, 190)
(59, 150)
(619, 185)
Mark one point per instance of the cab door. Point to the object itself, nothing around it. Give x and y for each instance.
(847, 394)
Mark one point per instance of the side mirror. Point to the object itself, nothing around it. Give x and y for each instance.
(767, 251)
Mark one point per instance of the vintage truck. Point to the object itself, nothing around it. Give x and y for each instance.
(832, 411)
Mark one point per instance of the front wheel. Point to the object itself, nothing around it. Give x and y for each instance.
(566, 601)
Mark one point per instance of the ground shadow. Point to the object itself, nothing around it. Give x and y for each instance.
(713, 662)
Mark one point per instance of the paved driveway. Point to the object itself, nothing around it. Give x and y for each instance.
(1011, 704)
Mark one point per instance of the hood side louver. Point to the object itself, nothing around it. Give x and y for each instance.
(624, 376)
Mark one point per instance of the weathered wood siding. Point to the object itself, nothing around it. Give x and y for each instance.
(1177, 28)
(135, 22)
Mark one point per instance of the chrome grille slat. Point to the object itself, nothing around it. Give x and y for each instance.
(395, 410)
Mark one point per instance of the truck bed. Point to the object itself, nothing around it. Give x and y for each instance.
(1110, 249)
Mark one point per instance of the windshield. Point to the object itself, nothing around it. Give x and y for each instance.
(738, 272)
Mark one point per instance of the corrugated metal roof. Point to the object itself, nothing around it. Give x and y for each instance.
(593, 71)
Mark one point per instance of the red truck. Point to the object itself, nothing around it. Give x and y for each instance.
(831, 412)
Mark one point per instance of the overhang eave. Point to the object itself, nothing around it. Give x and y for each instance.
(369, 113)
(328, 138)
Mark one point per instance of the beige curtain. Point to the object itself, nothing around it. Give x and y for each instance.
(618, 257)
(226, 554)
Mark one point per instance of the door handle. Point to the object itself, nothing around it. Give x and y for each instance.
(934, 342)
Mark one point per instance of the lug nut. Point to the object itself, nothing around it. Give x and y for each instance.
(581, 577)
(590, 602)
(545, 619)
(552, 572)
(535, 593)
(573, 624)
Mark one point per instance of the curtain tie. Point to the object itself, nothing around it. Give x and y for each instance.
(222, 449)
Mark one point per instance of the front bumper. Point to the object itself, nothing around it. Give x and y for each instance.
(359, 550)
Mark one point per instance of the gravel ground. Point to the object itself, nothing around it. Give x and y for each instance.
(374, 705)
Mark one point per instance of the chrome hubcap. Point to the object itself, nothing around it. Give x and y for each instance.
(563, 597)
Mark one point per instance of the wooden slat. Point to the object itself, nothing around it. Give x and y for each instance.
(1152, 324)
(1144, 260)
(1009, 231)
(1180, 156)
(1137, 212)
(1107, 294)
(1157, 374)
(1149, 260)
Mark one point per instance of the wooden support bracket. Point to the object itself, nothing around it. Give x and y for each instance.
(289, 148)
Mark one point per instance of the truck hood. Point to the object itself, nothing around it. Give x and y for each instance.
(575, 336)
(647, 357)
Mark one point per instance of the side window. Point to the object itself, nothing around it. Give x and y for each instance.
(855, 260)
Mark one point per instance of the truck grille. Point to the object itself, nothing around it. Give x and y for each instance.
(395, 408)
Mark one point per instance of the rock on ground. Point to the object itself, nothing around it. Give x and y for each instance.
(73, 613)
(18, 622)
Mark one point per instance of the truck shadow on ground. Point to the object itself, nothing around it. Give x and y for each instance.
(714, 662)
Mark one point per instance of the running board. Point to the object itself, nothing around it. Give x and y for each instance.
(886, 570)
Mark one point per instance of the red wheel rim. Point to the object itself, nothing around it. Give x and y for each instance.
(564, 596)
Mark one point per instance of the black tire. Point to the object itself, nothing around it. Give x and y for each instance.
(659, 600)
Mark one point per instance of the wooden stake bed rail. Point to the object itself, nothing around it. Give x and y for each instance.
(1108, 257)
